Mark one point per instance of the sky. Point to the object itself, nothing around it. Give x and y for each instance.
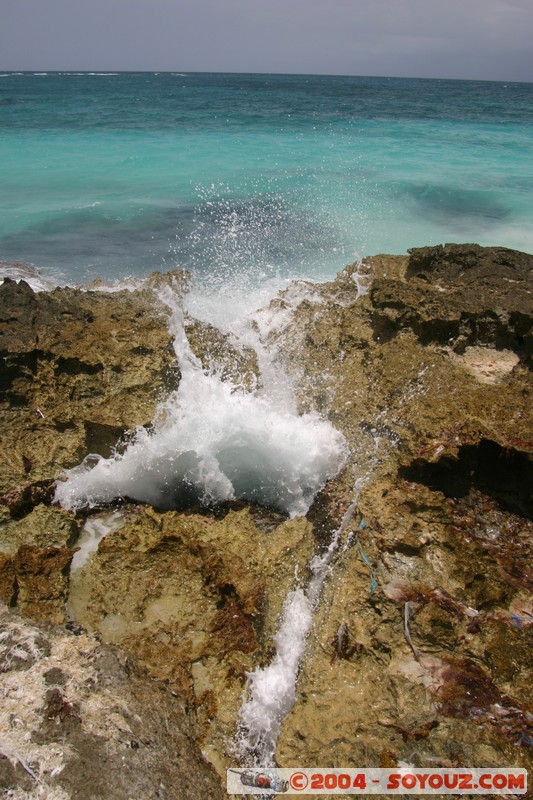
(474, 39)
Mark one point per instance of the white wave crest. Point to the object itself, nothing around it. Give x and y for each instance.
(213, 441)
(19, 271)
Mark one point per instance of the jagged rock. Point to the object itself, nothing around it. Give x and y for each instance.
(40, 581)
(420, 646)
(217, 350)
(80, 368)
(80, 720)
(21, 499)
(195, 600)
(460, 296)
(44, 527)
(8, 586)
(430, 588)
(34, 561)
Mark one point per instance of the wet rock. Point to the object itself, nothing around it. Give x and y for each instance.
(73, 360)
(508, 272)
(458, 296)
(217, 350)
(21, 499)
(420, 646)
(8, 585)
(45, 526)
(41, 580)
(431, 578)
(81, 368)
(195, 600)
(35, 557)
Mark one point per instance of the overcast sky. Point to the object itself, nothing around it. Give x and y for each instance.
(486, 39)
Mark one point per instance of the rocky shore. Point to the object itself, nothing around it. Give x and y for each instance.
(122, 675)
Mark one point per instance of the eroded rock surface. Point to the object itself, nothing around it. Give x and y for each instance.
(80, 368)
(430, 593)
(420, 646)
(78, 719)
(196, 600)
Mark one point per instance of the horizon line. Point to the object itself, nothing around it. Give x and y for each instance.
(109, 72)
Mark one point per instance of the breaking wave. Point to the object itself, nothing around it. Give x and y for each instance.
(213, 441)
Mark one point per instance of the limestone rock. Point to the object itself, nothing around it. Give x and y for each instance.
(45, 526)
(458, 296)
(80, 720)
(195, 600)
(420, 646)
(430, 589)
(80, 368)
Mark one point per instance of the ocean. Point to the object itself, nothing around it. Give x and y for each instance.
(249, 180)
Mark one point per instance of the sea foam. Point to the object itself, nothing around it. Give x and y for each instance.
(18, 271)
(271, 690)
(212, 441)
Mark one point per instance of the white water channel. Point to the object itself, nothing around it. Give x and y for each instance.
(211, 441)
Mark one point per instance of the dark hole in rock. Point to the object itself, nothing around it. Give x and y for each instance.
(101, 438)
(227, 591)
(505, 474)
(21, 367)
(74, 366)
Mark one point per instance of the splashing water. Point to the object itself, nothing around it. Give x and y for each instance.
(272, 690)
(92, 533)
(212, 441)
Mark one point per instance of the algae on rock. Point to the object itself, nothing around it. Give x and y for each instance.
(195, 600)
(420, 645)
(444, 459)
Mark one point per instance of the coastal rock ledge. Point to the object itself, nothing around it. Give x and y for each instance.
(123, 664)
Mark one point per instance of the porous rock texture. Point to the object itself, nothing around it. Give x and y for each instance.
(420, 647)
(80, 720)
(80, 368)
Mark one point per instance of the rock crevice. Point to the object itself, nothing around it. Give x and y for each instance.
(420, 645)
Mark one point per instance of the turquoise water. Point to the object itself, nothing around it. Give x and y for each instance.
(255, 176)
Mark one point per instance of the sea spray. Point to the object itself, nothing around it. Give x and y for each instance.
(94, 530)
(18, 271)
(271, 690)
(212, 441)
